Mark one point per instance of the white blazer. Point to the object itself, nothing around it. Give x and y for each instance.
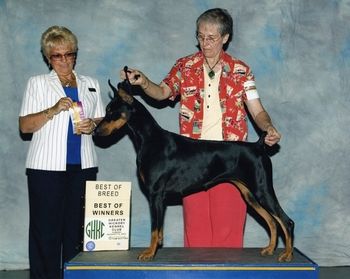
(48, 148)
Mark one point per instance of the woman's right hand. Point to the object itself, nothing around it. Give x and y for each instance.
(135, 77)
(155, 91)
(63, 104)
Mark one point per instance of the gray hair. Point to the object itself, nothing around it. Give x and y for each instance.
(218, 16)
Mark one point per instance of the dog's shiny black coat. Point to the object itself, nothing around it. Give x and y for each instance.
(171, 166)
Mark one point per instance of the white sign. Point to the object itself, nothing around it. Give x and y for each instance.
(107, 215)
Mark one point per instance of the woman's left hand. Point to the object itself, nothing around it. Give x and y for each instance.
(86, 126)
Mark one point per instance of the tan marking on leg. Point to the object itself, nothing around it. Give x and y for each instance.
(268, 250)
(149, 253)
(287, 254)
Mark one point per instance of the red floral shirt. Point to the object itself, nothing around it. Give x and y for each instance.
(186, 79)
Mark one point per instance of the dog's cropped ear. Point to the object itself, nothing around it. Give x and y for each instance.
(115, 91)
(125, 96)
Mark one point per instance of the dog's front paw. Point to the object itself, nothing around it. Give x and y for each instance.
(146, 255)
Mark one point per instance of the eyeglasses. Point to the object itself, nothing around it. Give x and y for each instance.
(210, 39)
(67, 56)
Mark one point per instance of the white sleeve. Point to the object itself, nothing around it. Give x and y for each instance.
(250, 90)
(31, 102)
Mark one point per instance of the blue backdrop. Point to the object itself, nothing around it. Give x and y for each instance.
(300, 53)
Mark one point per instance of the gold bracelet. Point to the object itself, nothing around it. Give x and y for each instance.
(48, 114)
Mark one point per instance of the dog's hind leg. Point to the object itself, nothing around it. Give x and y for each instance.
(287, 226)
(268, 200)
(270, 221)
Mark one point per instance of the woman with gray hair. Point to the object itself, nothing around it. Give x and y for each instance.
(214, 89)
(61, 110)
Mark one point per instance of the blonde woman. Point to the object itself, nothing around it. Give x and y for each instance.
(61, 110)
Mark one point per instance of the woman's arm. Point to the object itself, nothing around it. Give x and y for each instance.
(263, 121)
(33, 122)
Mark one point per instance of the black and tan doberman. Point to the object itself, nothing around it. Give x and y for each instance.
(170, 165)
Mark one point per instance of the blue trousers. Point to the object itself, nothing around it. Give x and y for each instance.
(56, 218)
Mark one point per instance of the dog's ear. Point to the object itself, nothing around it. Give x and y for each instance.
(125, 96)
(115, 91)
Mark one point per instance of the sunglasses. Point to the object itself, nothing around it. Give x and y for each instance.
(67, 56)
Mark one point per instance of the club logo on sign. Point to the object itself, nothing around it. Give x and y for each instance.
(94, 229)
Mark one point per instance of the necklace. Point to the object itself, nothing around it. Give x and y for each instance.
(67, 82)
(211, 73)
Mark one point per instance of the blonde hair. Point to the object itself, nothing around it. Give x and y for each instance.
(57, 35)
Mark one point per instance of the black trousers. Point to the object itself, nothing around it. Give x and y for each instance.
(56, 218)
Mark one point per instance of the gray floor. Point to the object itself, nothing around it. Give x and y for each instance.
(335, 272)
(325, 273)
